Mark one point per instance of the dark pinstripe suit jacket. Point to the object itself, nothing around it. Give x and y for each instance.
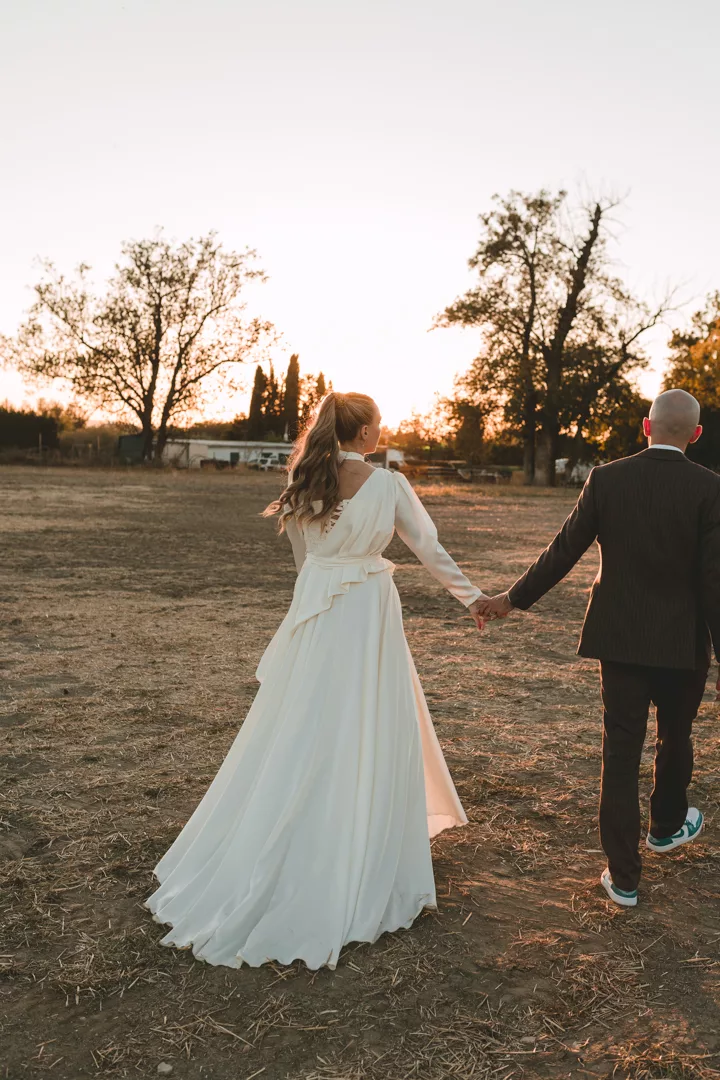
(656, 598)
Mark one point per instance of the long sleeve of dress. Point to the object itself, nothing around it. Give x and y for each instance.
(297, 540)
(416, 528)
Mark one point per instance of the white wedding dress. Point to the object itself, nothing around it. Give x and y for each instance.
(315, 831)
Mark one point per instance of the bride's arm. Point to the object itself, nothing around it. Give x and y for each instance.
(297, 540)
(417, 529)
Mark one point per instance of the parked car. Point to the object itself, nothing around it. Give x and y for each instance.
(387, 458)
(270, 460)
(578, 475)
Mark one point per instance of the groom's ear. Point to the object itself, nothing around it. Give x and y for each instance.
(697, 434)
(646, 427)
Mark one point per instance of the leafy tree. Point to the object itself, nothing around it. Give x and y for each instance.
(694, 365)
(238, 428)
(557, 329)
(504, 448)
(470, 433)
(599, 401)
(205, 429)
(616, 430)
(424, 435)
(172, 316)
(69, 417)
(694, 362)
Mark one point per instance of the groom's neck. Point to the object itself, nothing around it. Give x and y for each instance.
(654, 441)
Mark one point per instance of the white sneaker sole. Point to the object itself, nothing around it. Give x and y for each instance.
(675, 843)
(621, 901)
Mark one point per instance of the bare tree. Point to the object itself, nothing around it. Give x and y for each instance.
(172, 317)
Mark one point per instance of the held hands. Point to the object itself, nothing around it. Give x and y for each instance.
(490, 607)
(498, 607)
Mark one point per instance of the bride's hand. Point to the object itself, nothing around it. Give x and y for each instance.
(477, 609)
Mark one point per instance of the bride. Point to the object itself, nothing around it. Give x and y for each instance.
(316, 830)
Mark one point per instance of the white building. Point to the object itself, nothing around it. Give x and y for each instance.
(189, 453)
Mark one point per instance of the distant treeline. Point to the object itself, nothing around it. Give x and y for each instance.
(467, 426)
(557, 342)
(22, 429)
(53, 434)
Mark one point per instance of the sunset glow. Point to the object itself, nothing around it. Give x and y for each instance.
(354, 148)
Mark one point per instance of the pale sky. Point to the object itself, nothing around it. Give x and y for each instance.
(354, 144)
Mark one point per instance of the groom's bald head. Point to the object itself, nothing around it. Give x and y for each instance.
(674, 418)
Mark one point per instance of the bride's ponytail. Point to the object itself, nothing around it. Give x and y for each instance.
(313, 466)
(319, 440)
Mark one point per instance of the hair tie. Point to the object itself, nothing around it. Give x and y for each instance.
(340, 401)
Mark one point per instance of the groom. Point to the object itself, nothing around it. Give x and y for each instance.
(654, 610)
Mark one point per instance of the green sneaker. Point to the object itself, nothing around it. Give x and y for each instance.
(694, 823)
(624, 899)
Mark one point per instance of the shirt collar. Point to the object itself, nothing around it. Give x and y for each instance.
(665, 446)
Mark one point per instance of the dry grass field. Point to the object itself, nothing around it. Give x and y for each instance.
(135, 606)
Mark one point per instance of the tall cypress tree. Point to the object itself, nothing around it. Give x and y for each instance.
(291, 402)
(256, 419)
(273, 407)
(321, 388)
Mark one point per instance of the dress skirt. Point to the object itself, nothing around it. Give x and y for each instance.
(316, 830)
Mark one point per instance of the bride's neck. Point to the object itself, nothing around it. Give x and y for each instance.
(351, 448)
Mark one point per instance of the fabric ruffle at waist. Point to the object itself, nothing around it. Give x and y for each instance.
(321, 580)
(318, 583)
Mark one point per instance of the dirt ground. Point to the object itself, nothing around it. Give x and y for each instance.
(134, 608)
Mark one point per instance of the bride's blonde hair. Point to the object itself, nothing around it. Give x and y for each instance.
(313, 466)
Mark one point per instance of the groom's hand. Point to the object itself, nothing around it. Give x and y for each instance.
(490, 607)
(498, 607)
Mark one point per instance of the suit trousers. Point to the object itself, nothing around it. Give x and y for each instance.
(628, 690)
